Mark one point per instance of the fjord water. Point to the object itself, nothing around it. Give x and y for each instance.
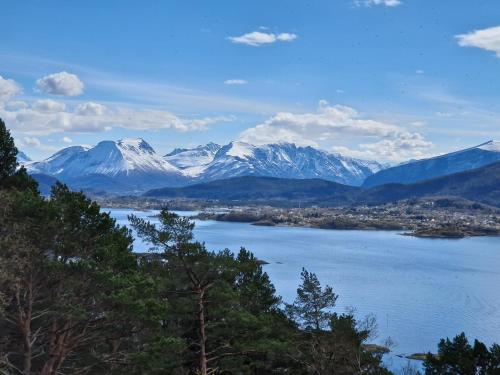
(420, 290)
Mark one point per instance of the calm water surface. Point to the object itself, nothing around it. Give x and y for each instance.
(419, 289)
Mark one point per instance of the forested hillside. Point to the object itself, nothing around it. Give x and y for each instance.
(76, 299)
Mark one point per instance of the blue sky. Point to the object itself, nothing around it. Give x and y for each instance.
(378, 79)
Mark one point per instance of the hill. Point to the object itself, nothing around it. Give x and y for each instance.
(480, 184)
(252, 188)
(438, 166)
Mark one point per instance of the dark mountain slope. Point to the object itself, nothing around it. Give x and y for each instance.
(481, 185)
(438, 166)
(262, 188)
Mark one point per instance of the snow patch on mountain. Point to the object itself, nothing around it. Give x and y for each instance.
(284, 160)
(240, 150)
(493, 146)
(193, 159)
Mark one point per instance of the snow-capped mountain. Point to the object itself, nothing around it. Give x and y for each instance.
(438, 166)
(131, 165)
(199, 156)
(57, 163)
(283, 160)
(126, 166)
(22, 158)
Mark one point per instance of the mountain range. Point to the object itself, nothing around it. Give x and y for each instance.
(133, 166)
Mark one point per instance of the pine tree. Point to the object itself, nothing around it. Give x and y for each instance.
(313, 304)
(223, 306)
(8, 153)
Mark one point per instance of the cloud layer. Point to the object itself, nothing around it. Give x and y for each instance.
(487, 39)
(331, 125)
(62, 83)
(259, 38)
(46, 117)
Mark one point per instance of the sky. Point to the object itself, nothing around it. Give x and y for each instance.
(388, 80)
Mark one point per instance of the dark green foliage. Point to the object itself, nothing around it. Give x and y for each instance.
(8, 153)
(74, 298)
(223, 307)
(457, 356)
(10, 176)
(313, 304)
(330, 343)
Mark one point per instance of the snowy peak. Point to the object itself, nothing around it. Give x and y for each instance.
(199, 156)
(285, 160)
(125, 165)
(237, 149)
(56, 164)
(22, 157)
(493, 146)
(137, 145)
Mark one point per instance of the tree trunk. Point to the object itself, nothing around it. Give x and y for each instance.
(58, 349)
(25, 322)
(202, 335)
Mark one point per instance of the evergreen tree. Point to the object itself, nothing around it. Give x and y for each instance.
(8, 153)
(73, 296)
(313, 304)
(223, 306)
(457, 356)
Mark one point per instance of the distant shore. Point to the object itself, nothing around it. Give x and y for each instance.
(418, 222)
(444, 217)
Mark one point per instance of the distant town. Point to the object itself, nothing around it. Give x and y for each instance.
(444, 217)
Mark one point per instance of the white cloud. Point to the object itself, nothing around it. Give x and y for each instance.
(34, 143)
(286, 37)
(487, 39)
(387, 3)
(31, 141)
(48, 105)
(331, 125)
(407, 146)
(67, 140)
(62, 83)
(90, 108)
(235, 82)
(8, 88)
(258, 38)
(46, 117)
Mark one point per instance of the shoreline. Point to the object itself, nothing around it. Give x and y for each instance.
(435, 233)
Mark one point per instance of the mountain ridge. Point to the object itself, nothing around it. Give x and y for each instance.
(480, 185)
(135, 166)
(441, 165)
